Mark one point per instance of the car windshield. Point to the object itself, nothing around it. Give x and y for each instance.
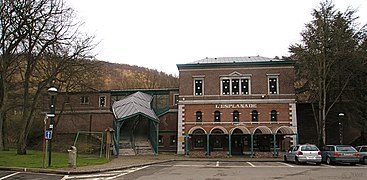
(309, 148)
(345, 148)
(364, 149)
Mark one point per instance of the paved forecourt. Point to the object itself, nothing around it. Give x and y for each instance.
(183, 170)
(207, 170)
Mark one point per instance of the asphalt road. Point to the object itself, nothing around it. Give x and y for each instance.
(214, 170)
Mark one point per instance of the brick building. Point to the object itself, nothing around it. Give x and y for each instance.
(92, 112)
(239, 105)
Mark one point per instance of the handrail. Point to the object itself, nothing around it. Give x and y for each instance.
(162, 111)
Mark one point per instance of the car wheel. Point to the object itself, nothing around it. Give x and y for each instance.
(296, 160)
(285, 158)
(328, 161)
(318, 163)
(364, 160)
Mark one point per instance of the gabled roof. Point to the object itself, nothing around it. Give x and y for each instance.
(135, 104)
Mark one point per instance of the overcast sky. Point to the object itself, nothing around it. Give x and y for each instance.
(159, 34)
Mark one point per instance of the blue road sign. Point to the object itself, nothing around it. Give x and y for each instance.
(48, 134)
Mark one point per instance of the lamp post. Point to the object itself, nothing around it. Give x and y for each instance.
(52, 91)
(341, 115)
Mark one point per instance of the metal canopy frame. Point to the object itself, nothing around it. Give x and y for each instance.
(130, 109)
(284, 130)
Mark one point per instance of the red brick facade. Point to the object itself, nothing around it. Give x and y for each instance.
(90, 112)
(232, 92)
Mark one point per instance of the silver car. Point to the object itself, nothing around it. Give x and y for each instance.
(362, 153)
(303, 154)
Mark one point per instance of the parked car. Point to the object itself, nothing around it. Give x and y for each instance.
(339, 154)
(362, 154)
(303, 154)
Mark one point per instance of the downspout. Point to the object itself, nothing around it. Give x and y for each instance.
(230, 144)
(275, 145)
(252, 145)
(187, 145)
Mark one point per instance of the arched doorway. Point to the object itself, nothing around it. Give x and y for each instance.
(283, 136)
(262, 139)
(237, 142)
(198, 140)
(218, 139)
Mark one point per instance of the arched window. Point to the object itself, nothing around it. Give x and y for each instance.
(255, 116)
(199, 139)
(199, 116)
(273, 115)
(216, 116)
(236, 116)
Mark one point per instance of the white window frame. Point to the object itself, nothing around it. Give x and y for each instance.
(202, 86)
(239, 88)
(105, 101)
(273, 77)
(176, 99)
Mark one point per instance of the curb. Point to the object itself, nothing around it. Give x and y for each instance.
(76, 172)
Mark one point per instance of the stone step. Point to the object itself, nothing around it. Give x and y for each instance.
(126, 152)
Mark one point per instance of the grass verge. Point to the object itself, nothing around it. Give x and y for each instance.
(34, 159)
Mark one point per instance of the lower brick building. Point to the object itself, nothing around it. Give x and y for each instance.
(92, 112)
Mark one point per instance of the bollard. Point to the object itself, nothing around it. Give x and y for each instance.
(72, 157)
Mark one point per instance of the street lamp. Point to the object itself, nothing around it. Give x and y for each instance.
(52, 92)
(341, 115)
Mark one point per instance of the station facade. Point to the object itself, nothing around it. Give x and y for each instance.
(236, 106)
(223, 106)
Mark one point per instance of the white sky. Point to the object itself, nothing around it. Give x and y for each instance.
(159, 34)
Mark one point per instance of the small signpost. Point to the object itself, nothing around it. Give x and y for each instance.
(48, 134)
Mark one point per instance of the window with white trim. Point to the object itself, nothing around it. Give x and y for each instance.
(273, 115)
(175, 99)
(236, 116)
(198, 86)
(255, 116)
(102, 101)
(217, 116)
(235, 86)
(273, 85)
(199, 116)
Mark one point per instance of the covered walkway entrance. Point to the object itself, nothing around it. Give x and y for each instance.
(136, 125)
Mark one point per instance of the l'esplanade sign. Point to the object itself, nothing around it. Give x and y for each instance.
(230, 106)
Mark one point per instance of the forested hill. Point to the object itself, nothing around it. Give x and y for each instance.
(124, 76)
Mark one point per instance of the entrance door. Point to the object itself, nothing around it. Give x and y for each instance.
(237, 145)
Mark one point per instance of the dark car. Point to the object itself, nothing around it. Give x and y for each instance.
(362, 153)
(332, 154)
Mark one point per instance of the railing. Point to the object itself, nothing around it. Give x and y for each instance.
(116, 144)
(153, 136)
(162, 111)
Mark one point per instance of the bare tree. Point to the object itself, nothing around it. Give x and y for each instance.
(40, 44)
(11, 35)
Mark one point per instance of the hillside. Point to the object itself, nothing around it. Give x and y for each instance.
(123, 76)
